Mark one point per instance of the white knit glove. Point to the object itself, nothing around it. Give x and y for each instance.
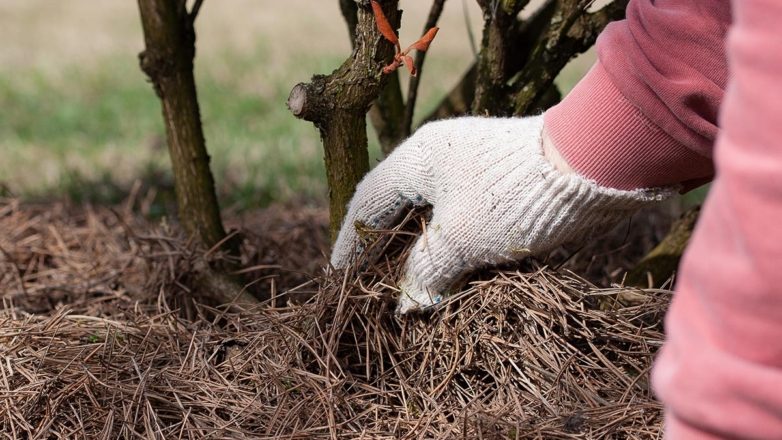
(495, 199)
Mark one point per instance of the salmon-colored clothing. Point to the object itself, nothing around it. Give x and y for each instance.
(646, 115)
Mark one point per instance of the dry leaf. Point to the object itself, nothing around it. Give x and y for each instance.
(408, 61)
(423, 43)
(388, 32)
(384, 26)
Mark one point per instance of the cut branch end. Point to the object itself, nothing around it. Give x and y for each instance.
(297, 101)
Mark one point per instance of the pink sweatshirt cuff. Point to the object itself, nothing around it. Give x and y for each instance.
(605, 138)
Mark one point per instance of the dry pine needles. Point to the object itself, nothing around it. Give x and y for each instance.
(98, 340)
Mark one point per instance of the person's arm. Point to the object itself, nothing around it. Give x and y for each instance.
(498, 190)
(720, 371)
(646, 114)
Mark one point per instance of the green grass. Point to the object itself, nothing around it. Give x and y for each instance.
(89, 133)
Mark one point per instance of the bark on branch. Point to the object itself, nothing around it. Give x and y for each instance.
(573, 31)
(412, 90)
(529, 56)
(168, 61)
(525, 37)
(387, 111)
(338, 103)
(387, 114)
(663, 261)
(350, 14)
(196, 9)
(495, 60)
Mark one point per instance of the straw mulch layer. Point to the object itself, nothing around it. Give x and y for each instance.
(99, 340)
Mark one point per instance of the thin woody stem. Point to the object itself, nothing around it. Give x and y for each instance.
(196, 8)
(412, 91)
(350, 14)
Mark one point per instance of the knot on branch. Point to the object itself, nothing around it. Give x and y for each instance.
(156, 66)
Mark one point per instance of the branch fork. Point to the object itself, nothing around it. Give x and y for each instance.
(401, 57)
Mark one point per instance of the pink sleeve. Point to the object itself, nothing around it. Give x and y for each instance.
(720, 371)
(646, 114)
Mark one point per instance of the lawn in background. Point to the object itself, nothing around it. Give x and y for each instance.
(90, 133)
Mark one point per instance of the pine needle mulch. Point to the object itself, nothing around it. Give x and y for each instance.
(98, 340)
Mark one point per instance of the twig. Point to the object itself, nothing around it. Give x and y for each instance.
(337, 105)
(196, 8)
(470, 34)
(576, 32)
(412, 91)
(349, 11)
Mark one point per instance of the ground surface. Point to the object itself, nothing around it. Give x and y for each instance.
(100, 338)
(105, 332)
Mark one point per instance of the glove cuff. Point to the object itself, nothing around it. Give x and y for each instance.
(575, 209)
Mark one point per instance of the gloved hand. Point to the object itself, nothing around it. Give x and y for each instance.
(495, 199)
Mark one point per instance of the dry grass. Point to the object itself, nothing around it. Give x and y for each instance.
(99, 340)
